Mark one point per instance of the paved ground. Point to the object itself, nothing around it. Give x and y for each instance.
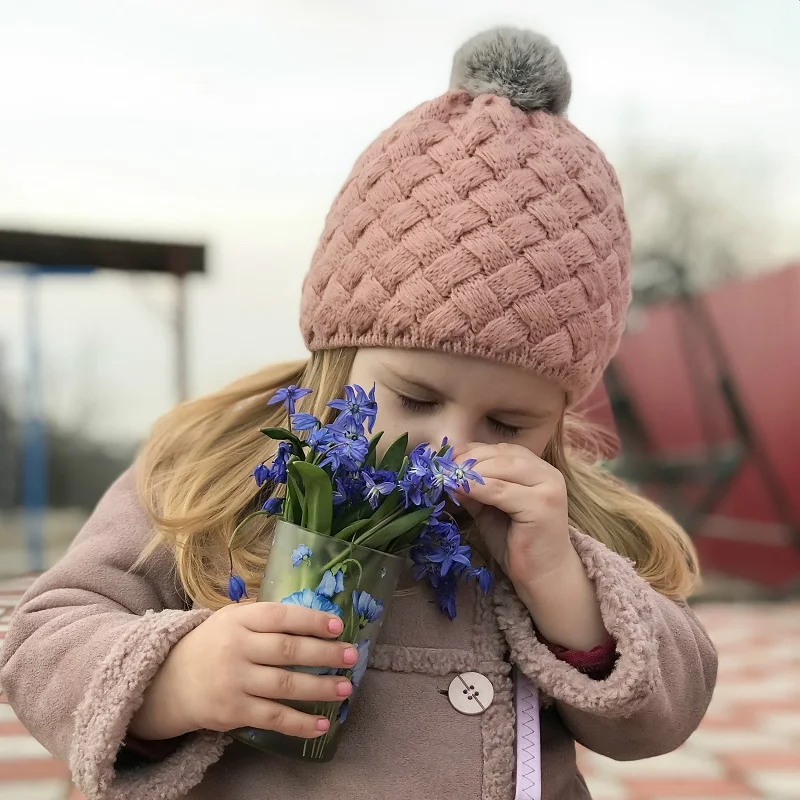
(747, 747)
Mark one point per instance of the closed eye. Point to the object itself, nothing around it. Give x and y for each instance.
(420, 406)
(509, 431)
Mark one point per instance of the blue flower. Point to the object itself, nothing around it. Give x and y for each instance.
(300, 555)
(463, 474)
(357, 405)
(447, 550)
(348, 452)
(262, 474)
(236, 588)
(484, 577)
(442, 476)
(344, 710)
(361, 665)
(277, 471)
(309, 599)
(273, 506)
(375, 489)
(331, 584)
(304, 422)
(446, 597)
(288, 396)
(412, 487)
(320, 439)
(367, 607)
(424, 567)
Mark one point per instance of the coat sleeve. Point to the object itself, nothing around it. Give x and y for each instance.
(663, 678)
(82, 647)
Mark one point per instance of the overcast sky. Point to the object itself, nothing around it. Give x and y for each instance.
(234, 123)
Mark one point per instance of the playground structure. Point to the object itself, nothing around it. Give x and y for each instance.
(33, 256)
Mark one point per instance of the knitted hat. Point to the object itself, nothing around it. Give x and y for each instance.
(481, 223)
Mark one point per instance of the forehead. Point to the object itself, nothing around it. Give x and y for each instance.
(463, 378)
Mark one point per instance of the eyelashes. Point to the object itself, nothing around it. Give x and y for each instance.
(429, 406)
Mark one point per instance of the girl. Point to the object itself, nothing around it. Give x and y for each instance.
(475, 268)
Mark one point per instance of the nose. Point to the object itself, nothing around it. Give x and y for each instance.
(457, 427)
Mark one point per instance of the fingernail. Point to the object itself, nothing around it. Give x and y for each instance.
(350, 655)
(323, 725)
(343, 689)
(335, 626)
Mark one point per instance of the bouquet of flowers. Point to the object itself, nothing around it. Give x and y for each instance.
(347, 523)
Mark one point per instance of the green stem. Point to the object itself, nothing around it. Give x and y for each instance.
(372, 531)
(244, 521)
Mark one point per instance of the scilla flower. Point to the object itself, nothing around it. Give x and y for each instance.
(357, 406)
(273, 506)
(288, 396)
(236, 588)
(261, 473)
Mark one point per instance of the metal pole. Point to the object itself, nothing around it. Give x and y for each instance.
(178, 268)
(34, 453)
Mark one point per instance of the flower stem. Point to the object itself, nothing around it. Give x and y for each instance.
(243, 522)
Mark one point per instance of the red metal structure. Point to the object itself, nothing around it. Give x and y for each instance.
(705, 392)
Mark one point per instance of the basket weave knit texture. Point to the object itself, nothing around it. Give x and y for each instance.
(473, 226)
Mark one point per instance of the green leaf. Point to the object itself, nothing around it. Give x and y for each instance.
(372, 450)
(444, 450)
(353, 514)
(282, 435)
(407, 539)
(389, 505)
(295, 501)
(384, 534)
(349, 533)
(318, 506)
(393, 457)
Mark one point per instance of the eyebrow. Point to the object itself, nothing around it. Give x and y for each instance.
(511, 412)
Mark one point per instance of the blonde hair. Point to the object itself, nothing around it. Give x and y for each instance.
(192, 480)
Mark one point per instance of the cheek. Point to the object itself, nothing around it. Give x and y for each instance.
(537, 441)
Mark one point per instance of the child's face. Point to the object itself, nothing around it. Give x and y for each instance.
(432, 395)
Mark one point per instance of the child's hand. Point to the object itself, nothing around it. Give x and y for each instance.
(521, 510)
(228, 673)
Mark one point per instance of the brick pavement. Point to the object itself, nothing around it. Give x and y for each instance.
(747, 747)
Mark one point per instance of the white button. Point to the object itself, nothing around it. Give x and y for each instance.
(471, 693)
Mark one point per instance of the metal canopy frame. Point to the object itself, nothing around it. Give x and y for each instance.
(40, 253)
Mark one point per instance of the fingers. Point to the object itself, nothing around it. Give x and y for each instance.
(269, 715)
(286, 650)
(288, 618)
(274, 683)
(510, 498)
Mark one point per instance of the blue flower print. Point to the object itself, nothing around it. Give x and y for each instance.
(344, 710)
(301, 555)
(361, 665)
(331, 584)
(309, 599)
(366, 607)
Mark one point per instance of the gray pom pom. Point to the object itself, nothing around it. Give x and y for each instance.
(523, 66)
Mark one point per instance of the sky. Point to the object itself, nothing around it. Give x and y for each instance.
(234, 124)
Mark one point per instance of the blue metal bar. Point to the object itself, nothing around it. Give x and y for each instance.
(34, 448)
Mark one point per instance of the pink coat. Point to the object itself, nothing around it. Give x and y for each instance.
(89, 635)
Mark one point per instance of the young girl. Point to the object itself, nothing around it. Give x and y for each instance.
(475, 268)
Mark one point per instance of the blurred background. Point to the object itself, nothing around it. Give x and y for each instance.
(165, 170)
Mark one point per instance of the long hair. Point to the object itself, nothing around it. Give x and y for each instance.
(192, 470)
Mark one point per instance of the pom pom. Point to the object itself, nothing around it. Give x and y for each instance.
(525, 67)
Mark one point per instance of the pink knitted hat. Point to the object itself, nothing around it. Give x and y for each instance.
(482, 223)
